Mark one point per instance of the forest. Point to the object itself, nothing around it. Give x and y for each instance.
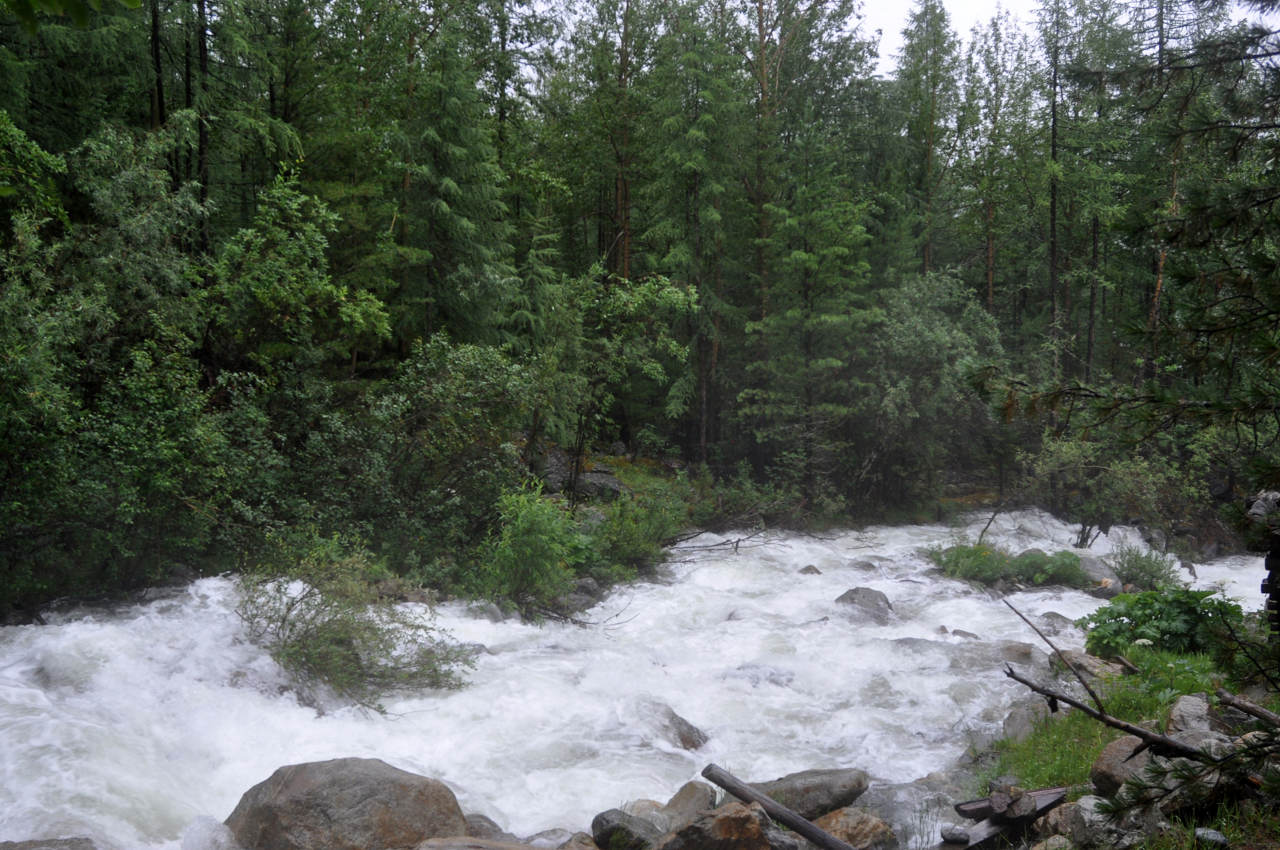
(289, 276)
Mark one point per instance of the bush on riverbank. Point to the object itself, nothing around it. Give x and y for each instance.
(990, 564)
(1176, 619)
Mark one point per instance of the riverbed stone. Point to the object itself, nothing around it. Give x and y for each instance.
(733, 826)
(810, 570)
(1117, 763)
(1097, 569)
(1092, 828)
(463, 842)
(1023, 719)
(1206, 837)
(481, 826)
(345, 804)
(616, 830)
(688, 803)
(859, 829)
(78, 843)
(867, 604)
(813, 793)
(1092, 667)
(1190, 712)
(579, 841)
(952, 834)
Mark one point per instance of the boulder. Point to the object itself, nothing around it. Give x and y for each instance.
(462, 842)
(1108, 588)
(1023, 719)
(810, 570)
(733, 826)
(617, 830)
(1091, 828)
(345, 804)
(1098, 569)
(1116, 763)
(867, 604)
(553, 837)
(1190, 712)
(688, 803)
(650, 810)
(672, 727)
(859, 829)
(1053, 623)
(952, 834)
(813, 793)
(1091, 667)
(480, 826)
(50, 844)
(579, 841)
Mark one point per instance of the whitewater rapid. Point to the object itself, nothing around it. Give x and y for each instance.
(141, 724)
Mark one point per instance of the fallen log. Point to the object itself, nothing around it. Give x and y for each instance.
(998, 804)
(774, 809)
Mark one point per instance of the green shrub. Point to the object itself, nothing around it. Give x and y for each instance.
(315, 607)
(1174, 619)
(532, 558)
(1144, 570)
(989, 564)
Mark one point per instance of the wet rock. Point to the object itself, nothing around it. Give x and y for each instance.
(1189, 712)
(463, 842)
(733, 826)
(480, 826)
(859, 829)
(50, 844)
(1056, 821)
(674, 728)
(1097, 569)
(961, 633)
(1023, 654)
(1106, 589)
(1053, 842)
(1091, 828)
(1053, 623)
(1023, 719)
(1091, 667)
(810, 570)
(617, 830)
(344, 804)
(650, 810)
(486, 611)
(758, 674)
(1116, 763)
(1206, 837)
(813, 793)
(952, 834)
(867, 604)
(548, 838)
(579, 841)
(688, 803)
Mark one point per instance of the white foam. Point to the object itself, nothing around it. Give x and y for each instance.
(137, 727)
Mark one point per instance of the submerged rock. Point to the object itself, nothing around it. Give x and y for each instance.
(345, 804)
(50, 844)
(867, 604)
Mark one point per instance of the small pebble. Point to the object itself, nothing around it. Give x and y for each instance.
(955, 835)
(1211, 838)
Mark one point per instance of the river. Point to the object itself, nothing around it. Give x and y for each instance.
(141, 725)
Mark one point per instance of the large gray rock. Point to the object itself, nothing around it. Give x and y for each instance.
(345, 804)
(813, 793)
(617, 830)
(463, 842)
(1190, 712)
(1117, 763)
(1098, 569)
(1092, 828)
(481, 826)
(733, 826)
(859, 829)
(672, 727)
(687, 804)
(1023, 719)
(867, 604)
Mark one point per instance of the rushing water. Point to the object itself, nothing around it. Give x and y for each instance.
(138, 725)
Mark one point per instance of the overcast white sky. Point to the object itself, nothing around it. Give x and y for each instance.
(890, 16)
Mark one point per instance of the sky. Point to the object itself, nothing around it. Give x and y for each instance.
(890, 16)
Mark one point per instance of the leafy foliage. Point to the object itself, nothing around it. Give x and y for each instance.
(1175, 619)
(1144, 569)
(315, 606)
(989, 565)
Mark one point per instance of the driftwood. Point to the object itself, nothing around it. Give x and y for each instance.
(1249, 707)
(774, 809)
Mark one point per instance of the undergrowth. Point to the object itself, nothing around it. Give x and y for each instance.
(990, 564)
